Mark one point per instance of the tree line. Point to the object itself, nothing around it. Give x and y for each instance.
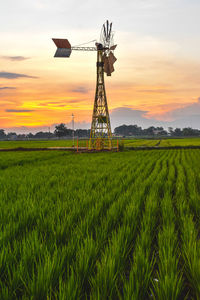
(124, 130)
(60, 131)
(134, 130)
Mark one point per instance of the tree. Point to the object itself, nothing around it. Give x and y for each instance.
(190, 132)
(163, 132)
(30, 135)
(21, 136)
(177, 132)
(12, 135)
(2, 134)
(149, 131)
(62, 130)
(128, 130)
(82, 132)
(171, 131)
(43, 135)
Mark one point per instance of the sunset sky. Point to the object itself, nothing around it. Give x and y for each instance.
(156, 78)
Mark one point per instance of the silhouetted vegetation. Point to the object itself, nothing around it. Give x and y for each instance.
(2, 134)
(61, 131)
(134, 130)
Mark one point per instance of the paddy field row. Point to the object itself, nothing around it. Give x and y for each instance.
(100, 226)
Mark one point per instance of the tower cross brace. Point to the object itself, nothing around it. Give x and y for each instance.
(100, 126)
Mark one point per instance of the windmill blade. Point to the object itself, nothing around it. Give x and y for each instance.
(111, 67)
(108, 66)
(106, 36)
(110, 30)
(104, 29)
(113, 47)
(112, 58)
(107, 25)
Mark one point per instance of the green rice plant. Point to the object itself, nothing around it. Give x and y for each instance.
(191, 255)
(101, 225)
(137, 284)
(167, 283)
(115, 215)
(111, 265)
(191, 169)
(111, 221)
(190, 243)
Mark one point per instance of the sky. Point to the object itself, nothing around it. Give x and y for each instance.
(157, 72)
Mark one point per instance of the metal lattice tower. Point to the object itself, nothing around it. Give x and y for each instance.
(100, 134)
(100, 127)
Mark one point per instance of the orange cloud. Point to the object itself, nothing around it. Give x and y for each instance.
(142, 81)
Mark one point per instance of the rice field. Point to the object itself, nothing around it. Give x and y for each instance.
(36, 144)
(165, 142)
(180, 142)
(100, 226)
(139, 142)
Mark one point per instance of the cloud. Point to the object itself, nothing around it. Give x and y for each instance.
(81, 90)
(50, 103)
(129, 116)
(61, 103)
(7, 88)
(188, 111)
(5, 103)
(34, 129)
(9, 75)
(75, 100)
(19, 110)
(15, 58)
(159, 91)
(181, 117)
(27, 129)
(78, 125)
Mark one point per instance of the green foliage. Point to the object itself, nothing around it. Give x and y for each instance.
(121, 145)
(100, 226)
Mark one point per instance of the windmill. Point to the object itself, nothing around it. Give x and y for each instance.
(100, 126)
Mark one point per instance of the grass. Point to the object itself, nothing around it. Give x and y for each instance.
(139, 142)
(36, 144)
(100, 226)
